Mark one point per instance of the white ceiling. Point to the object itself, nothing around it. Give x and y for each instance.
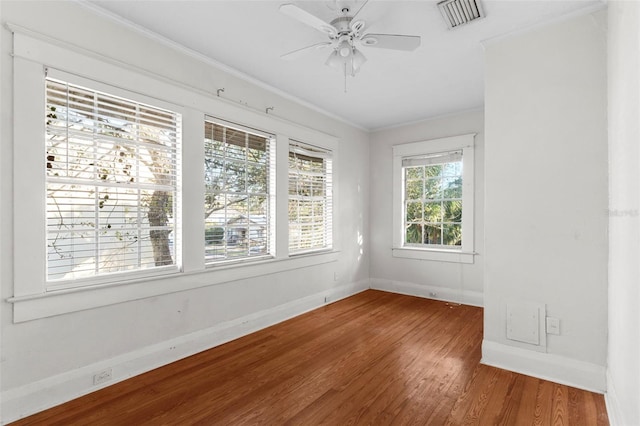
(444, 75)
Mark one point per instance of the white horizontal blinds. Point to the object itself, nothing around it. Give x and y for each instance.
(238, 177)
(433, 199)
(427, 160)
(310, 198)
(111, 178)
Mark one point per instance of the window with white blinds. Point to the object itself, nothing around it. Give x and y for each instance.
(112, 184)
(238, 189)
(124, 187)
(310, 198)
(433, 199)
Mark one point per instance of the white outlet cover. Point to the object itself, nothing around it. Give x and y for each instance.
(553, 326)
(103, 376)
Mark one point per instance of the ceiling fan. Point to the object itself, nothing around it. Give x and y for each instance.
(346, 36)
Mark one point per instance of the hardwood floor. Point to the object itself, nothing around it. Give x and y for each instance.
(374, 358)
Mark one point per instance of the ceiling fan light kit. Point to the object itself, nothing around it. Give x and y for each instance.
(344, 48)
(345, 37)
(334, 60)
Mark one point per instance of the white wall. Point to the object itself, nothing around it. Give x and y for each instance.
(546, 196)
(623, 373)
(544, 167)
(50, 360)
(450, 281)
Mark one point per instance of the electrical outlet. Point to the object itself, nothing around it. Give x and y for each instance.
(433, 294)
(335, 276)
(327, 299)
(102, 376)
(553, 326)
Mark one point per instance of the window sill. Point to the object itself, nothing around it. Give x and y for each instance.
(58, 302)
(438, 255)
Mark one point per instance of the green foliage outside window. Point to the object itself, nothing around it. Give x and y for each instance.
(433, 204)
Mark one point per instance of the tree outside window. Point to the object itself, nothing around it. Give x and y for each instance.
(111, 169)
(237, 192)
(433, 201)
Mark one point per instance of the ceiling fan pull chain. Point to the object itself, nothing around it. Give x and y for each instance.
(345, 77)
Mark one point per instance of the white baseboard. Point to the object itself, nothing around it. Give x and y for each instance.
(614, 410)
(34, 397)
(465, 297)
(555, 368)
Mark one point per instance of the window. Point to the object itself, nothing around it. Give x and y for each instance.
(310, 198)
(111, 184)
(237, 192)
(104, 211)
(433, 199)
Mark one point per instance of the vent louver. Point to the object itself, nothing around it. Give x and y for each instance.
(460, 12)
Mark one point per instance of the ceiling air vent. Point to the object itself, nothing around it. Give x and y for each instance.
(460, 12)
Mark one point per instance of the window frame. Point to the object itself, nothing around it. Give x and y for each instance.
(459, 254)
(32, 53)
(111, 91)
(270, 195)
(30, 180)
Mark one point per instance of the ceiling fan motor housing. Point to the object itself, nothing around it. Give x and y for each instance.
(342, 24)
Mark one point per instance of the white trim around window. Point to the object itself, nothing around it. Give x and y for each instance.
(32, 54)
(107, 156)
(459, 254)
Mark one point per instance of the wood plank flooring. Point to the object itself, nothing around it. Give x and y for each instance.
(375, 358)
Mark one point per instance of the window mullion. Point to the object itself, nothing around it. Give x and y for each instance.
(136, 137)
(300, 192)
(225, 180)
(245, 172)
(96, 231)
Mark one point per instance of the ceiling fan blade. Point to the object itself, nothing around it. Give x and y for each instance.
(360, 10)
(305, 17)
(298, 52)
(357, 27)
(391, 41)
